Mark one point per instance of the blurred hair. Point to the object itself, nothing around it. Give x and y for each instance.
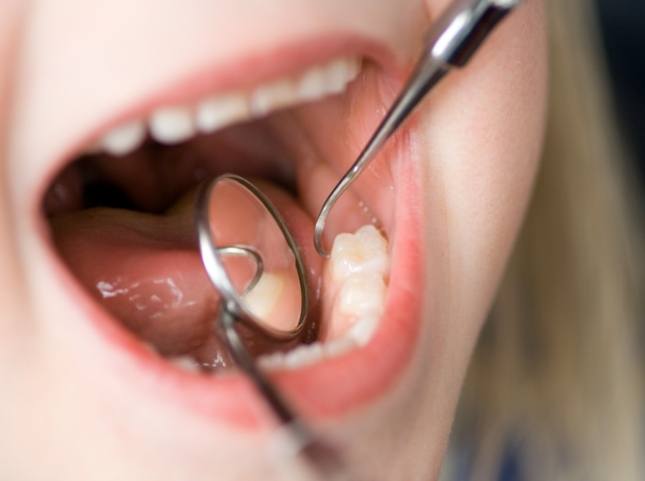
(555, 382)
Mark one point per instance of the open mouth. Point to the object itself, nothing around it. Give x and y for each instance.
(120, 214)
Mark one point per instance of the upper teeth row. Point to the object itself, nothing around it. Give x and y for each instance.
(174, 124)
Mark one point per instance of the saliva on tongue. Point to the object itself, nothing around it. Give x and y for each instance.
(146, 271)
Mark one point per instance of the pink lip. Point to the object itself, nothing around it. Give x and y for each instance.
(326, 389)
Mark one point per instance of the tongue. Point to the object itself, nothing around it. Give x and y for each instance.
(146, 271)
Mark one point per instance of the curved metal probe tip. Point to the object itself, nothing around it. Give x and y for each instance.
(239, 250)
(452, 40)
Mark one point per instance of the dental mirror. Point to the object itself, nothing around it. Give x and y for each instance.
(264, 285)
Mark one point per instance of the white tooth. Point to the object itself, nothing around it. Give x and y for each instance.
(185, 363)
(339, 73)
(218, 112)
(308, 354)
(338, 347)
(362, 295)
(303, 355)
(363, 252)
(353, 68)
(363, 330)
(262, 298)
(171, 125)
(272, 361)
(273, 96)
(312, 85)
(358, 272)
(123, 139)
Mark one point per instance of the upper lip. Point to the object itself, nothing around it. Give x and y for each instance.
(316, 390)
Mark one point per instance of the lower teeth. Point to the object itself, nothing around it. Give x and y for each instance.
(357, 274)
(354, 296)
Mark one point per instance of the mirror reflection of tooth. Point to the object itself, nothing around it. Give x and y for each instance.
(263, 298)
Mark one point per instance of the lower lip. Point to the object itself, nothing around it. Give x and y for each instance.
(323, 390)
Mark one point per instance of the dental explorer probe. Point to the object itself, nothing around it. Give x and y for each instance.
(451, 42)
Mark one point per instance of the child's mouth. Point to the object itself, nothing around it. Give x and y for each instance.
(121, 219)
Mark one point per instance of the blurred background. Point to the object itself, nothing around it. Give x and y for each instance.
(622, 25)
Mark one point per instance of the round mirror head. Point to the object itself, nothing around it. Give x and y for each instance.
(251, 258)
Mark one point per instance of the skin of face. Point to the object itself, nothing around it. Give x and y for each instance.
(479, 141)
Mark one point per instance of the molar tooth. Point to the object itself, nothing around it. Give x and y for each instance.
(171, 125)
(217, 112)
(124, 138)
(358, 272)
(267, 98)
(362, 295)
(362, 252)
(363, 330)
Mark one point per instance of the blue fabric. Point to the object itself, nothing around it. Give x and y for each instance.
(510, 469)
